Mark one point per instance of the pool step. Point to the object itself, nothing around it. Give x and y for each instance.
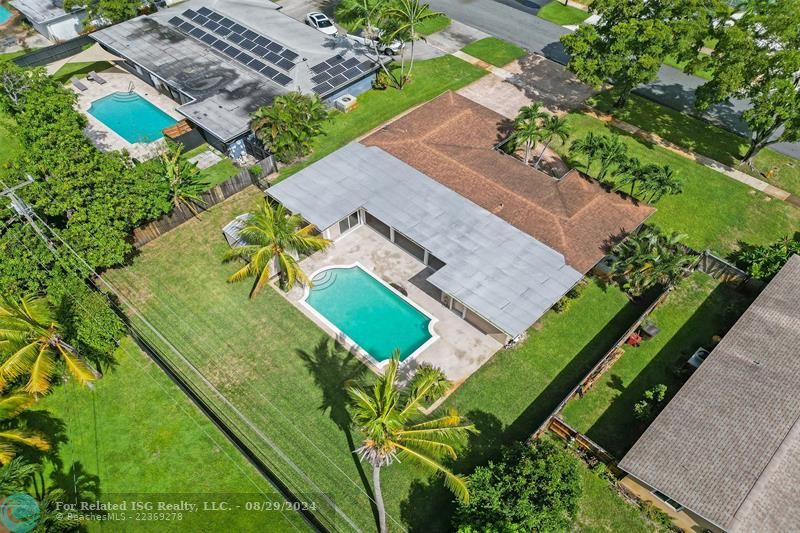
(323, 280)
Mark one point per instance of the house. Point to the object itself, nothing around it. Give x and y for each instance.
(49, 18)
(432, 184)
(223, 60)
(724, 454)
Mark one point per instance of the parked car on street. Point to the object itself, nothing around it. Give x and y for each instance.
(369, 40)
(320, 21)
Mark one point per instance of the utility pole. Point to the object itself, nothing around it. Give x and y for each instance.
(21, 208)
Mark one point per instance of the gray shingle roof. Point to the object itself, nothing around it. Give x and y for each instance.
(225, 92)
(728, 444)
(500, 272)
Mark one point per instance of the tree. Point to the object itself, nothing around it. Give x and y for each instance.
(649, 258)
(591, 145)
(272, 235)
(756, 58)
(16, 475)
(651, 403)
(553, 127)
(394, 430)
(15, 82)
(405, 17)
(659, 180)
(288, 126)
(31, 344)
(370, 14)
(612, 154)
(527, 128)
(182, 177)
(764, 261)
(534, 487)
(634, 37)
(433, 379)
(11, 437)
(109, 11)
(629, 172)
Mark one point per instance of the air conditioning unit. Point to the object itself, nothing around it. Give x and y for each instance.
(345, 103)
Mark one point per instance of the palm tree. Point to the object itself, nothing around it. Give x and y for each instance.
(31, 344)
(650, 258)
(591, 145)
(659, 180)
(16, 475)
(526, 133)
(11, 438)
(552, 127)
(272, 234)
(629, 172)
(288, 126)
(532, 111)
(394, 430)
(406, 16)
(613, 152)
(366, 13)
(183, 177)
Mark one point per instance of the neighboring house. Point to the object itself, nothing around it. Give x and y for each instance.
(49, 18)
(222, 64)
(724, 454)
(498, 268)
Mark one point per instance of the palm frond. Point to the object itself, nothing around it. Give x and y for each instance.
(457, 484)
(13, 404)
(77, 366)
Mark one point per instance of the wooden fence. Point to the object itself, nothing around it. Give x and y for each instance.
(586, 445)
(722, 270)
(240, 181)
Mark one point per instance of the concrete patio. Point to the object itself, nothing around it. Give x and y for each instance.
(118, 80)
(460, 349)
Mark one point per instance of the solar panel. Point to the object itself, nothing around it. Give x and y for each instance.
(260, 51)
(256, 65)
(238, 28)
(175, 21)
(189, 13)
(222, 30)
(226, 22)
(285, 64)
(220, 45)
(235, 38)
(269, 71)
(208, 38)
(263, 41)
(245, 58)
(215, 17)
(250, 34)
(274, 47)
(350, 63)
(204, 11)
(282, 79)
(337, 70)
(322, 88)
(248, 45)
(317, 69)
(197, 33)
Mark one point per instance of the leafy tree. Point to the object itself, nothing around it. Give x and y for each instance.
(12, 437)
(757, 58)
(110, 11)
(651, 403)
(288, 126)
(31, 344)
(182, 177)
(553, 127)
(613, 153)
(395, 430)
(650, 258)
(15, 82)
(591, 145)
(431, 378)
(25, 261)
(405, 17)
(764, 261)
(633, 38)
(534, 487)
(272, 235)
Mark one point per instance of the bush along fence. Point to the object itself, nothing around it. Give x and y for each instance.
(722, 270)
(585, 445)
(221, 192)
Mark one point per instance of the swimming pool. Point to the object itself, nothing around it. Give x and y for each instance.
(132, 117)
(5, 14)
(370, 313)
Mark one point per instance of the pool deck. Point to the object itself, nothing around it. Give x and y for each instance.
(118, 80)
(460, 349)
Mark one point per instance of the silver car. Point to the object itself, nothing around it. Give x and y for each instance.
(371, 39)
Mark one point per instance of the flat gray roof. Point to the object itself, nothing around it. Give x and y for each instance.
(500, 272)
(225, 91)
(41, 11)
(728, 444)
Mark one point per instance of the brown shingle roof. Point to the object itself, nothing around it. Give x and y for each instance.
(727, 446)
(452, 139)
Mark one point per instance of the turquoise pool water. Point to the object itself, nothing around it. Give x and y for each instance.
(5, 14)
(372, 315)
(132, 117)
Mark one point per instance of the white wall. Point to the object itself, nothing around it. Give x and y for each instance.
(65, 29)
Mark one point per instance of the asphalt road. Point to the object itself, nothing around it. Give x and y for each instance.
(517, 22)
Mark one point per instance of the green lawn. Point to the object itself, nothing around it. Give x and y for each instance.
(79, 70)
(264, 355)
(434, 24)
(701, 137)
(715, 211)
(697, 310)
(217, 173)
(430, 78)
(10, 147)
(137, 434)
(494, 51)
(556, 12)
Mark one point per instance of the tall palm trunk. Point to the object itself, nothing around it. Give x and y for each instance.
(528, 150)
(376, 492)
(541, 155)
(411, 62)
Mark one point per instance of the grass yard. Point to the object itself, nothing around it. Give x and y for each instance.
(715, 211)
(601, 509)
(217, 173)
(555, 11)
(430, 78)
(494, 51)
(702, 137)
(272, 362)
(697, 310)
(136, 433)
(79, 70)
(434, 24)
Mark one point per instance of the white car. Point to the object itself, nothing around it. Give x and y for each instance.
(320, 21)
(370, 41)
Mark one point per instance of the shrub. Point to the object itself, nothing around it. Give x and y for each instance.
(382, 81)
(256, 171)
(428, 375)
(565, 301)
(533, 488)
(763, 262)
(287, 127)
(652, 400)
